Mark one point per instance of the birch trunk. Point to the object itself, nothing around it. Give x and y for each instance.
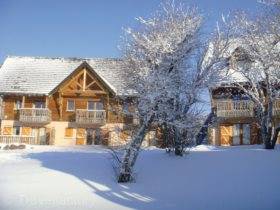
(132, 152)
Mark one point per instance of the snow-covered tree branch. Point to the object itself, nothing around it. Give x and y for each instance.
(168, 65)
(257, 61)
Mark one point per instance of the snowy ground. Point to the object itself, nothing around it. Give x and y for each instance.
(48, 177)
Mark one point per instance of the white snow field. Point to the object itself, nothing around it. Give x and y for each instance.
(49, 177)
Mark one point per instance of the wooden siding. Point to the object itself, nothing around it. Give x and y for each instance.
(235, 134)
(81, 87)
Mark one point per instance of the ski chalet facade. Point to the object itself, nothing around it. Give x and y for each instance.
(64, 101)
(233, 113)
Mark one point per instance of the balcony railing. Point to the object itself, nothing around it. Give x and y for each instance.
(34, 115)
(84, 116)
(13, 139)
(276, 108)
(235, 108)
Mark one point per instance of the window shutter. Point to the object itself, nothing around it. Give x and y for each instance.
(7, 131)
(69, 132)
(26, 131)
(80, 133)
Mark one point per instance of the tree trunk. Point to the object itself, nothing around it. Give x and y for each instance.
(266, 129)
(132, 152)
(178, 142)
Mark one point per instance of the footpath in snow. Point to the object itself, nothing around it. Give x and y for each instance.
(212, 178)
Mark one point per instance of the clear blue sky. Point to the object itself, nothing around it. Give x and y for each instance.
(83, 28)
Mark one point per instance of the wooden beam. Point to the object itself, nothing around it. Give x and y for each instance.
(60, 105)
(85, 76)
(23, 102)
(107, 108)
(47, 101)
(90, 84)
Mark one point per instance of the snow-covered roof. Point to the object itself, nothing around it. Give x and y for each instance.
(40, 75)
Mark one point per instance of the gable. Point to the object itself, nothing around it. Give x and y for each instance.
(83, 81)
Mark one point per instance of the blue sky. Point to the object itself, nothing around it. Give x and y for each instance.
(84, 28)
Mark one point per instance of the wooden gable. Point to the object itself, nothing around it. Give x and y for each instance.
(84, 81)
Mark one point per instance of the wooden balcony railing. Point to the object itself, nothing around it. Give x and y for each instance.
(276, 108)
(13, 139)
(34, 115)
(235, 108)
(84, 116)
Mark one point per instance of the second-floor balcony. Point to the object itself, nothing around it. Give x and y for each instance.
(235, 108)
(276, 108)
(34, 115)
(84, 116)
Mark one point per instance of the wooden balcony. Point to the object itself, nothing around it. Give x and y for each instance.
(235, 108)
(13, 139)
(276, 108)
(34, 115)
(84, 116)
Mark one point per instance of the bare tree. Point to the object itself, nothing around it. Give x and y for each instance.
(257, 61)
(167, 67)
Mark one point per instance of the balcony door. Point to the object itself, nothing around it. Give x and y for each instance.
(93, 136)
(39, 105)
(95, 105)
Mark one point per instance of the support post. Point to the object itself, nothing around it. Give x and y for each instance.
(47, 102)
(23, 102)
(60, 105)
(84, 82)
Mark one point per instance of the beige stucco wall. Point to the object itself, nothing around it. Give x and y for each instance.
(215, 136)
(57, 133)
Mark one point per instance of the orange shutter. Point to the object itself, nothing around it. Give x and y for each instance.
(7, 131)
(81, 133)
(69, 132)
(26, 131)
(226, 135)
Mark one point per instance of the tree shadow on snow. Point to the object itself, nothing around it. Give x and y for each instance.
(89, 168)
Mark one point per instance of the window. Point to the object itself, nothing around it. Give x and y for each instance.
(18, 104)
(70, 105)
(39, 105)
(93, 105)
(90, 105)
(16, 130)
(69, 132)
(99, 106)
